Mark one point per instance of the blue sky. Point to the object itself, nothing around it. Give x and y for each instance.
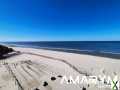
(58, 20)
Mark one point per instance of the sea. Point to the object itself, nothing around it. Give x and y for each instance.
(98, 48)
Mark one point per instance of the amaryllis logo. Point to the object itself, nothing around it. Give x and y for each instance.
(115, 85)
(99, 81)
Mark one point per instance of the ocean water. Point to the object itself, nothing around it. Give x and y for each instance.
(103, 48)
(108, 47)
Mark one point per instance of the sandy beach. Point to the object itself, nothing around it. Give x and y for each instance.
(38, 69)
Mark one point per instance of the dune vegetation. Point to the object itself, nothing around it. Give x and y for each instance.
(4, 50)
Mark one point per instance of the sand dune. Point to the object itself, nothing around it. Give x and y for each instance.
(37, 69)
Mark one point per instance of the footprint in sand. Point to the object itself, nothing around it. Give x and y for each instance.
(53, 78)
(36, 89)
(45, 86)
(60, 76)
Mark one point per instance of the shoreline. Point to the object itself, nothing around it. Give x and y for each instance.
(76, 51)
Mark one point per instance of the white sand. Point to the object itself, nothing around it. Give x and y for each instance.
(33, 67)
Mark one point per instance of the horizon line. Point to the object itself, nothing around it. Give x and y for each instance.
(68, 41)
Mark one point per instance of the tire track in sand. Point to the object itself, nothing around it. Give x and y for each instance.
(61, 60)
(14, 76)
